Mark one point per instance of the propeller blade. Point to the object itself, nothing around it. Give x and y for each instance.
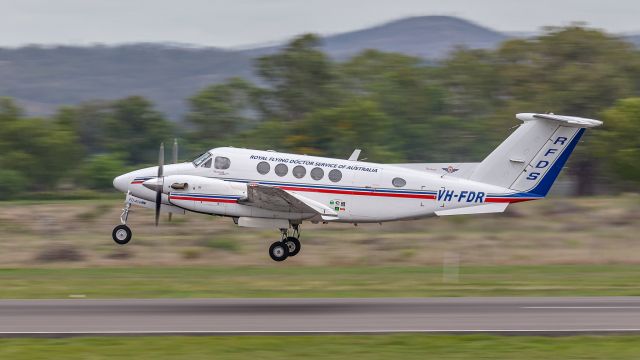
(160, 182)
(175, 151)
(161, 160)
(175, 159)
(158, 204)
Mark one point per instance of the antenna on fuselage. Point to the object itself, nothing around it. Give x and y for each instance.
(354, 155)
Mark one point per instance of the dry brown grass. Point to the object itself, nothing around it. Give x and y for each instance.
(553, 231)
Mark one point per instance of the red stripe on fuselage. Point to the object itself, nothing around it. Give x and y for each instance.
(175, 197)
(363, 193)
(508, 200)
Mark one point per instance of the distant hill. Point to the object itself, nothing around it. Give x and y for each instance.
(430, 37)
(426, 36)
(634, 39)
(44, 78)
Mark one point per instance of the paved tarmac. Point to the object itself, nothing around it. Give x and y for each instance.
(548, 316)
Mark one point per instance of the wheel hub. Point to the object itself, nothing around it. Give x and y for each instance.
(279, 251)
(121, 234)
(292, 246)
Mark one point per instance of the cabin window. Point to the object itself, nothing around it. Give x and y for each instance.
(399, 182)
(281, 169)
(263, 167)
(222, 163)
(317, 173)
(207, 164)
(201, 159)
(299, 171)
(335, 175)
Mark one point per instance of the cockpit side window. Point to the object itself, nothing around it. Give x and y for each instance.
(201, 159)
(207, 164)
(222, 162)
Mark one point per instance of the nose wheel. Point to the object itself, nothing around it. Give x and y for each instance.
(122, 234)
(287, 247)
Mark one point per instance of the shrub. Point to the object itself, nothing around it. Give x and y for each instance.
(59, 252)
(222, 244)
(13, 183)
(98, 171)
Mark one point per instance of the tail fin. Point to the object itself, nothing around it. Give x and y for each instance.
(531, 158)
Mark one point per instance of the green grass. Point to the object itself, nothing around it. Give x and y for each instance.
(222, 244)
(281, 280)
(406, 346)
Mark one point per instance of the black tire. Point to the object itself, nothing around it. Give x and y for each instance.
(278, 251)
(121, 234)
(293, 244)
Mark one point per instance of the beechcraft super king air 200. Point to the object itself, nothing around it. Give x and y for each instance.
(276, 190)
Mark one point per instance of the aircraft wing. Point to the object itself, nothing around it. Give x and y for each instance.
(276, 199)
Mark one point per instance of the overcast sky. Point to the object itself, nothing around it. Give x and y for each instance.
(237, 23)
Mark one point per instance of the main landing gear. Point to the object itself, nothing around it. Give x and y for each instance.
(122, 234)
(288, 246)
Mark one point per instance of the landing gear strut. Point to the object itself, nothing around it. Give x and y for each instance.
(122, 234)
(288, 246)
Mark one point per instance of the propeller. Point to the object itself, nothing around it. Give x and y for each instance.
(175, 158)
(160, 182)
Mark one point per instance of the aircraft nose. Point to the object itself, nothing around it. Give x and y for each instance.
(122, 182)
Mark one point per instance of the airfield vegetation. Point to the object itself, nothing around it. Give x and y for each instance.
(559, 246)
(407, 346)
(595, 230)
(320, 281)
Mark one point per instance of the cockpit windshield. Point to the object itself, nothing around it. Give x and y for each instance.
(202, 158)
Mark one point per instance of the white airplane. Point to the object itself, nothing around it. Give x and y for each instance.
(276, 190)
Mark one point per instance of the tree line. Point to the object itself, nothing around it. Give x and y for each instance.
(397, 108)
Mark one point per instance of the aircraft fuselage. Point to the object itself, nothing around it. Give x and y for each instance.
(357, 191)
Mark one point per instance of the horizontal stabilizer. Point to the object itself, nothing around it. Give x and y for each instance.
(564, 120)
(480, 209)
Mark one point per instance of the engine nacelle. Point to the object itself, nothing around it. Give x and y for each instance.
(202, 194)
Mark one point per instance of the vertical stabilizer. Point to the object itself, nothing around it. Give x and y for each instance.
(531, 158)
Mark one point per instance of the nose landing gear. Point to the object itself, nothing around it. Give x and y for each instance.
(288, 246)
(122, 234)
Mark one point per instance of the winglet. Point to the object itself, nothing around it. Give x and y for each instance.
(354, 155)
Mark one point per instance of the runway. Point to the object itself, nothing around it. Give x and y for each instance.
(549, 316)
